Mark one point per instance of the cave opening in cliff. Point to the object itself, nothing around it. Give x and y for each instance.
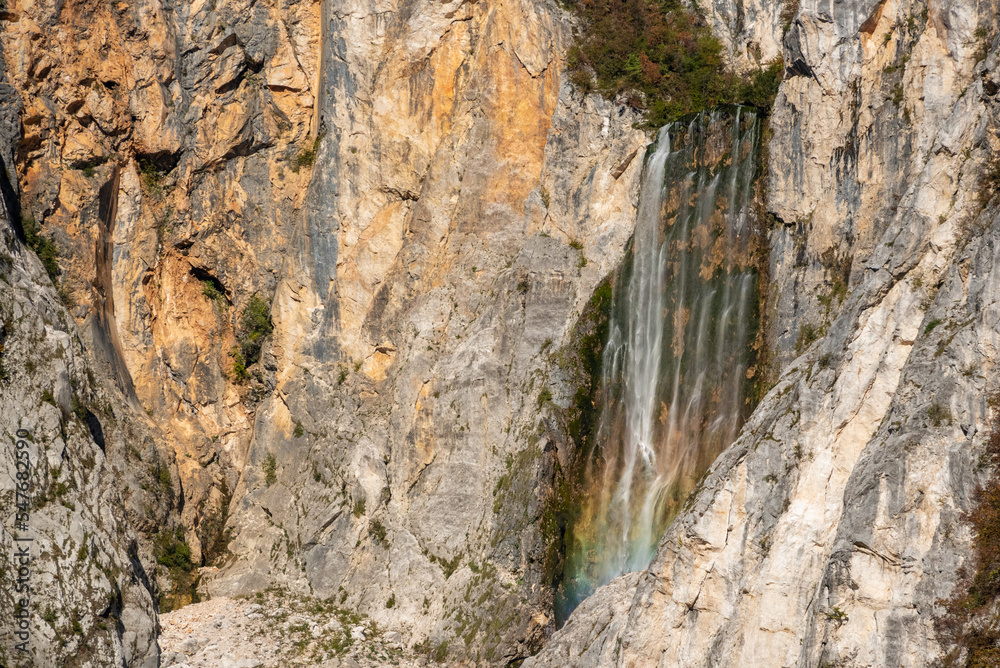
(679, 365)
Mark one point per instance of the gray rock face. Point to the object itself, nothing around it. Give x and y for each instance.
(432, 207)
(417, 413)
(429, 207)
(166, 149)
(828, 533)
(73, 584)
(463, 205)
(750, 32)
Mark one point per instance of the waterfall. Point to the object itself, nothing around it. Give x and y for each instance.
(679, 351)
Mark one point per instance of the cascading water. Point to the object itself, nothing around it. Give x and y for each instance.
(677, 361)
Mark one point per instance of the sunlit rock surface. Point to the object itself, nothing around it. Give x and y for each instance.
(428, 206)
(828, 533)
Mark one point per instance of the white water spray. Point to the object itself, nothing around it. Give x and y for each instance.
(674, 370)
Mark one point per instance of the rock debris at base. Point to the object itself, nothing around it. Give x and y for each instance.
(275, 629)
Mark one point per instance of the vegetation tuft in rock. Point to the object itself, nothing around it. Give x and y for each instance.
(174, 554)
(171, 550)
(43, 247)
(255, 326)
(970, 627)
(307, 156)
(270, 469)
(664, 56)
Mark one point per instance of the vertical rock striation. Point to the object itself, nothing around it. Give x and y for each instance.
(161, 152)
(829, 531)
(74, 584)
(427, 208)
(464, 205)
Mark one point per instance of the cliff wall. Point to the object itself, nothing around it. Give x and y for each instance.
(424, 205)
(833, 528)
(75, 578)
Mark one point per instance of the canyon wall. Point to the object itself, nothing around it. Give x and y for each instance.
(425, 205)
(833, 528)
(463, 207)
(72, 492)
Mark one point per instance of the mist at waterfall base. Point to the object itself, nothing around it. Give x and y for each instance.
(678, 362)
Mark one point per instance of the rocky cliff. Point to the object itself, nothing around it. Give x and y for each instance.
(422, 205)
(463, 206)
(833, 529)
(76, 586)
(310, 289)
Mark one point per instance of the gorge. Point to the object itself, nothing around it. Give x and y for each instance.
(465, 333)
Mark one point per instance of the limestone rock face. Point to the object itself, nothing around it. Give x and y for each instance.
(425, 204)
(463, 207)
(161, 153)
(74, 588)
(427, 207)
(828, 533)
(750, 31)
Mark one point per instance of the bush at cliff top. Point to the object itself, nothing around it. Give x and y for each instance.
(665, 54)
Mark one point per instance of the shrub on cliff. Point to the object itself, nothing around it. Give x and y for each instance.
(43, 247)
(173, 553)
(270, 469)
(968, 629)
(665, 54)
(255, 325)
(171, 550)
(151, 178)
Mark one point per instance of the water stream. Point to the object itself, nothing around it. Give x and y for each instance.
(675, 367)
